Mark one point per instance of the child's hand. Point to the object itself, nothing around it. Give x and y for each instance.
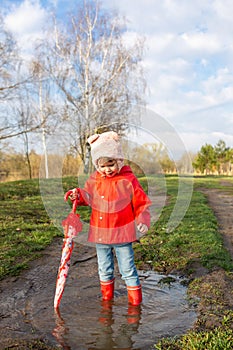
(71, 194)
(142, 228)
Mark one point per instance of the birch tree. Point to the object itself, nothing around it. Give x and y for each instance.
(9, 62)
(47, 114)
(98, 71)
(13, 80)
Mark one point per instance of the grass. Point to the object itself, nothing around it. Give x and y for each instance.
(27, 228)
(216, 339)
(196, 237)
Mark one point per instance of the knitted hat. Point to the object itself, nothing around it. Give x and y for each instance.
(106, 144)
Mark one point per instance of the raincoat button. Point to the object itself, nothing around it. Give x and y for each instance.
(102, 196)
(101, 217)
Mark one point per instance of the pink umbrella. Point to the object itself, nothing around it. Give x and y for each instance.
(72, 226)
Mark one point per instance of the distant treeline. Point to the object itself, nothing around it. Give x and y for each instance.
(149, 159)
(217, 160)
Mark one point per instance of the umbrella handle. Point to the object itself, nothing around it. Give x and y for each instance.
(74, 205)
(75, 201)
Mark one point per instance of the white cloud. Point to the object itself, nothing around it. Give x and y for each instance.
(188, 58)
(192, 139)
(202, 42)
(26, 21)
(188, 62)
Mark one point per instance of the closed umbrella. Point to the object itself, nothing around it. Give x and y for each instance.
(72, 226)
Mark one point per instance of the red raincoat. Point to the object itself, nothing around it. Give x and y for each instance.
(118, 203)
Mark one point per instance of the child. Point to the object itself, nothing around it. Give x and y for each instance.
(117, 201)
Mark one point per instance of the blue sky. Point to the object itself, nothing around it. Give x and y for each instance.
(188, 58)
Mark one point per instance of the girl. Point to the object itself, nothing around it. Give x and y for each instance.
(118, 204)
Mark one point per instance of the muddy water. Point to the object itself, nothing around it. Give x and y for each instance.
(85, 322)
(93, 324)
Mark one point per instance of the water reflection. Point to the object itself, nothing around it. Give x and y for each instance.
(106, 337)
(60, 330)
(93, 324)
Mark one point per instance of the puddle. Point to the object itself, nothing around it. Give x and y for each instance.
(88, 323)
(85, 322)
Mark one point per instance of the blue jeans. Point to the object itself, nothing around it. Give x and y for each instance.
(125, 258)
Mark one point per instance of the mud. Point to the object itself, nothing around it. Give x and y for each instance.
(222, 205)
(84, 321)
(28, 321)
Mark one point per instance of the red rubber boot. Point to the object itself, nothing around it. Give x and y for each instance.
(134, 314)
(134, 295)
(107, 290)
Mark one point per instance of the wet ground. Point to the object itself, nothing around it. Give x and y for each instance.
(222, 205)
(84, 322)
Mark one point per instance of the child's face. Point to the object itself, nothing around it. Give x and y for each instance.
(109, 167)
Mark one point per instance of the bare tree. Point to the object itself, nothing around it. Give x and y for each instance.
(8, 82)
(12, 80)
(25, 112)
(8, 62)
(46, 110)
(98, 72)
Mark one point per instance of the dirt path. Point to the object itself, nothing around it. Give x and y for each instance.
(222, 205)
(33, 290)
(216, 287)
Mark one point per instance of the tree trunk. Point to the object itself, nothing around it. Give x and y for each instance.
(43, 132)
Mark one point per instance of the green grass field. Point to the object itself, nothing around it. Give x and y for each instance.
(196, 237)
(27, 228)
